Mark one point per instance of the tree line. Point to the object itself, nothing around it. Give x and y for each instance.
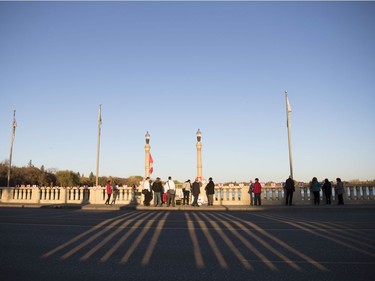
(31, 175)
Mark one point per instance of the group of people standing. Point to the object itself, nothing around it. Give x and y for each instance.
(289, 188)
(316, 186)
(255, 188)
(156, 190)
(167, 193)
(111, 190)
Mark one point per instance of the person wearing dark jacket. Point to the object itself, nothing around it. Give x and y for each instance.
(157, 188)
(340, 191)
(210, 191)
(327, 188)
(195, 190)
(289, 188)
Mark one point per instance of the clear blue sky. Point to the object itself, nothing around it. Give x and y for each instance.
(173, 67)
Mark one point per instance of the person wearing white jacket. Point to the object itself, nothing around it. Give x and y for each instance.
(171, 192)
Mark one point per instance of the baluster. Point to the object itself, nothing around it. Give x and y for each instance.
(241, 185)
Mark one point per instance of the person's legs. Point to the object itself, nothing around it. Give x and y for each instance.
(210, 198)
(173, 196)
(291, 198)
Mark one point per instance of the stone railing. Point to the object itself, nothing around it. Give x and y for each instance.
(353, 193)
(224, 195)
(65, 195)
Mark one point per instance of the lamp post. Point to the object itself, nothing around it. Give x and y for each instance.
(98, 146)
(288, 124)
(147, 157)
(199, 155)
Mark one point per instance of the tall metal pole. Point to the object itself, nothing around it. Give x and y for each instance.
(288, 124)
(14, 125)
(98, 148)
(199, 155)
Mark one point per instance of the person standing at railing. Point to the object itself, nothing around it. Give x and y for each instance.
(186, 192)
(108, 189)
(289, 188)
(210, 191)
(147, 191)
(195, 191)
(251, 190)
(157, 188)
(257, 191)
(327, 188)
(115, 194)
(171, 192)
(315, 188)
(340, 191)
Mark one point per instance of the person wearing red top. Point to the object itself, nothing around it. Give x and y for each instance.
(108, 188)
(257, 191)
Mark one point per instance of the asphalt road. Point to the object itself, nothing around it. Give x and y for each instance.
(275, 244)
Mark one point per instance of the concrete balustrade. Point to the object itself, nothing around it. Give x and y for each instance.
(224, 195)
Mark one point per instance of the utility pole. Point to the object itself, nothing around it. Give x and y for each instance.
(14, 125)
(288, 124)
(98, 148)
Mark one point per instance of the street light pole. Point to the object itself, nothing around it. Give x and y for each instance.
(98, 148)
(14, 125)
(147, 155)
(288, 124)
(199, 154)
